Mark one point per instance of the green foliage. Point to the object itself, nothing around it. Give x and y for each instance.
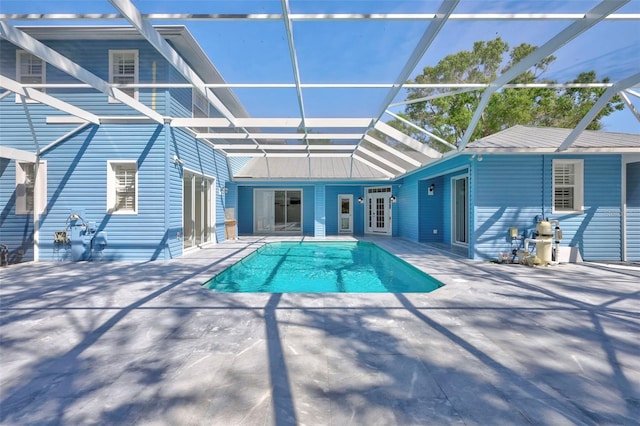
(449, 116)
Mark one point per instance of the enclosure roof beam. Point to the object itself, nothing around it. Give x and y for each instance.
(272, 122)
(133, 15)
(594, 16)
(382, 170)
(407, 140)
(630, 105)
(392, 150)
(420, 129)
(472, 86)
(288, 26)
(17, 154)
(35, 47)
(291, 136)
(381, 159)
(49, 100)
(597, 107)
(311, 16)
(434, 27)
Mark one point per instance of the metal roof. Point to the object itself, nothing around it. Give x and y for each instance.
(315, 82)
(314, 168)
(548, 139)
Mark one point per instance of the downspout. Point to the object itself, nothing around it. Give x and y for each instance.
(623, 207)
(167, 181)
(153, 80)
(544, 184)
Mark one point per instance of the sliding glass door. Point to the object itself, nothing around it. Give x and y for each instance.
(277, 211)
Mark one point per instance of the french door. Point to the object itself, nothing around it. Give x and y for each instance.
(198, 209)
(460, 210)
(277, 211)
(378, 211)
(345, 214)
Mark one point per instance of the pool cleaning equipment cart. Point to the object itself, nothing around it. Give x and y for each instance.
(81, 239)
(545, 237)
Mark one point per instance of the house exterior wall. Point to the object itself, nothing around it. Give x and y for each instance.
(633, 211)
(320, 218)
(94, 57)
(77, 182)
(16, 231)
(420, 213)
(597, 232)
(431, 210)
(509, 193)
(245, 209)
(77, 165)
(331, 207)
(512, 190)
(320, 205)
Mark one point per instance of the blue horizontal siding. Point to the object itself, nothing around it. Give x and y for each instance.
(320, 216)
(94, 57)
(633, 212)
(77, 176)
(513, 190)
(245, 205)
(77, 167)
(332, 208)
(16, 231)
(509, 192)
(411, 224)
(431, 210)
(597, 231)
(237, 163)
(15, 131)
(245, 210)
(201, 158)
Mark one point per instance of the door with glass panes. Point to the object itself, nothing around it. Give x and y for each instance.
(198, 209)
(378, 211)
(345, 213)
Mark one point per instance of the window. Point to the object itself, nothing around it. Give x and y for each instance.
(31, 187)
(123, 69)
(568, 186)
(122, 187)
(200, 109)
(29, 70)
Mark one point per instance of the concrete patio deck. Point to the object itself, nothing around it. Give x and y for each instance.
(144, 343)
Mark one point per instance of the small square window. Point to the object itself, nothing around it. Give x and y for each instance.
(30, 70)
(122, 187)
(123, 69)
(568, 186)
(31, 186)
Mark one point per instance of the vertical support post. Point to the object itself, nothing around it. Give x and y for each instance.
(320, 217)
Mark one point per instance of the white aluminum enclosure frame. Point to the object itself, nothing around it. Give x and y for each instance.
(251, 137)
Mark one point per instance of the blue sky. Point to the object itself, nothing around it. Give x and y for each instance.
(371, 51)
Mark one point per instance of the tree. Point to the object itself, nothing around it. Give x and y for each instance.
(449, 116)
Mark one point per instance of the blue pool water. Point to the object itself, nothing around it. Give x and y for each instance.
(322, 267)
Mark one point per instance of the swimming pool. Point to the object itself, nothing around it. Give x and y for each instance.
(322, 267)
